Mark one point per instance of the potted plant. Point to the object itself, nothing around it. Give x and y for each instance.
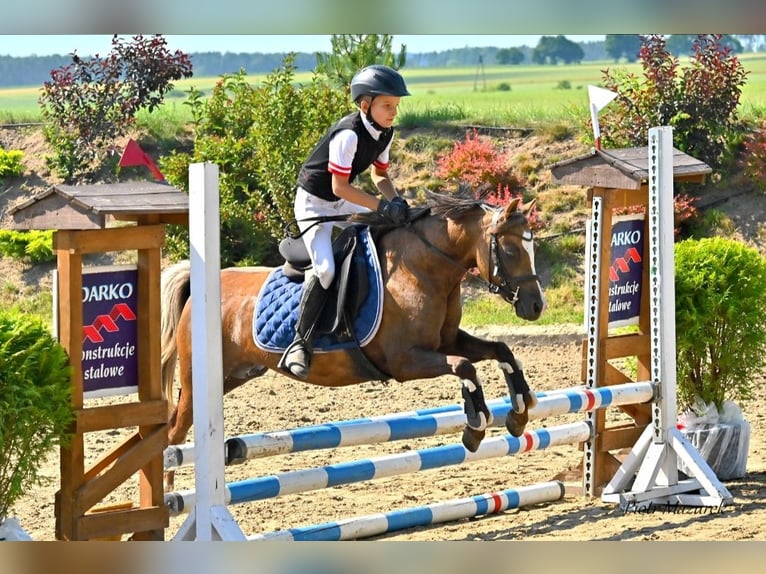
(720, 289)
(35, 407)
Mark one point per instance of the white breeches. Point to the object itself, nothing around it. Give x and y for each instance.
(318, 239)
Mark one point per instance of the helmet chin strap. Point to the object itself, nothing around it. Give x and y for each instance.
(373, 123)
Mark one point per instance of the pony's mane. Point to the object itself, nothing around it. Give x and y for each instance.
(453, 206)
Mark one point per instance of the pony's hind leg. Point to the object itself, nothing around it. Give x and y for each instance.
(180, 421)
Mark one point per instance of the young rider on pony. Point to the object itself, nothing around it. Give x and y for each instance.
(325, 188)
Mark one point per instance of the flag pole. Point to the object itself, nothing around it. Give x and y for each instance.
(598, 98)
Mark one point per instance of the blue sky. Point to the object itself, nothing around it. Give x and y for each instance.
(88, 45)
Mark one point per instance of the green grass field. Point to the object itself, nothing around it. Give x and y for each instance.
(537, 94)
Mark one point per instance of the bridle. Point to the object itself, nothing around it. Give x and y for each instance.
(508, 287)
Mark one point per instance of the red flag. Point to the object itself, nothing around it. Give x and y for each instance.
(133, 155)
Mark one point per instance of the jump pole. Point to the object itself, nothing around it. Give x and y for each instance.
(402, 426)
(651, 468)
(209, 519)
(294, 482)
(436, 513)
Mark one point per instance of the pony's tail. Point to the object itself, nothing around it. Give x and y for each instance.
(175, 290)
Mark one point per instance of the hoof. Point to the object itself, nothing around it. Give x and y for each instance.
(516, 422)
(472, 438)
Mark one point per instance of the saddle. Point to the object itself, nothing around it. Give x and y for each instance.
(350, 285)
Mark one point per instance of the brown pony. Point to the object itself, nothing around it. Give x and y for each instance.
(423, 265)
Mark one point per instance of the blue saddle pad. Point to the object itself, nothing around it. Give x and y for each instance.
(276, 311)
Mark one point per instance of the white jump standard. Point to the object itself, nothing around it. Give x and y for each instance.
(654, 459)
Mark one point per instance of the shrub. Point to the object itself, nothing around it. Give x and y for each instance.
(754, 157)
(35, 403)
(699, 101)
(90, 103)
(475, 161)
(720, 320)
(35, 246)
(11, 164)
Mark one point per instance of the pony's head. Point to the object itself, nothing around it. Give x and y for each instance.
(502, 246)
(509, 262)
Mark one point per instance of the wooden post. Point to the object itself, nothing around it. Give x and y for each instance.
(77, 517)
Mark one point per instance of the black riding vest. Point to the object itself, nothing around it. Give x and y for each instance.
(314, 176)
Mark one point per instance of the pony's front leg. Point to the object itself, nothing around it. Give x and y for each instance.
(522, 398)
(423, 364)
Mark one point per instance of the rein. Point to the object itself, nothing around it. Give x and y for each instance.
(432, 247)
(293, 224)
(508, 287)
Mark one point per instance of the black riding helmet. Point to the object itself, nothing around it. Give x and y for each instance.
(377, 80)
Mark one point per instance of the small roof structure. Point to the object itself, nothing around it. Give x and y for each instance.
(623, 168)
(89, 206)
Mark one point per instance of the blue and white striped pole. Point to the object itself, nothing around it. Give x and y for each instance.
(436, 513)
(280, 442)
(304, 480)
(448, 419)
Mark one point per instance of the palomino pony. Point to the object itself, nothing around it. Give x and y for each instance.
(419, 337)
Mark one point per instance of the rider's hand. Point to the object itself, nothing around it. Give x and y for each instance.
(396, 211)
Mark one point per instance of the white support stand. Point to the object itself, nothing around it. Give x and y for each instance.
(210, 518)
(653, 460)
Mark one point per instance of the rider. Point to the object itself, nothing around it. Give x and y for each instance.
(353, 144)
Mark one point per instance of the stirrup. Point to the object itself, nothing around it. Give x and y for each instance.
(292, 362)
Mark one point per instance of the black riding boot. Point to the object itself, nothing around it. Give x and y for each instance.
(297, 357)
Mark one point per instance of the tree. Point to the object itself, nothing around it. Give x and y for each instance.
(90, 103)
(622, 46)
(550, 50)
(732, 43)
(680, 44)
(509, 56)
(570, 52)
(751, 42)
(683, 44)
(352, 52)
(545, 52)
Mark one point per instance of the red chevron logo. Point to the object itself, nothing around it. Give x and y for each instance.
(622, 264)
(107, 323)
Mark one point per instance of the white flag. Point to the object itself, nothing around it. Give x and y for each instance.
(599, 98)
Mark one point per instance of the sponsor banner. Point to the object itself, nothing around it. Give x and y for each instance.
(110, 331)
(626, 267)
(110, 334)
